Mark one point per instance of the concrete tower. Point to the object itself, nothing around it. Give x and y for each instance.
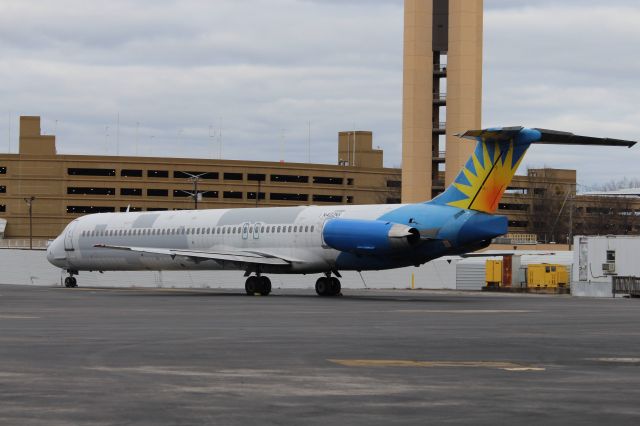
(442, 92)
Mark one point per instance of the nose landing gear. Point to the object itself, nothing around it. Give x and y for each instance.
(328, 286)
(70, 282)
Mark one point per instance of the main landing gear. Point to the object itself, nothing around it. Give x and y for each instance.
(258, 285)
(328, 286)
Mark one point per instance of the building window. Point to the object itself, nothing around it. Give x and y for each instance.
(135, 192)
(518, 223)
(327, 198)
(90, 172)
(350, 199)
(3, 170)
(328, 180)
(260, 177)
(130, 173)
(210, 194)
(75, 190)
(394, 184)
(157, 209)
(599, 210)
(290, 178)
(393, 201)
(516, 190)
(89, 209)
(131, 209)
(288, 197)
(252, 195)
(157, 192)
(178, 193)
(233, 176)
(350, 181)
(3, 208)
(158, 173)
(511, 206)
(233, 194)
(201, 175)
(3, 189)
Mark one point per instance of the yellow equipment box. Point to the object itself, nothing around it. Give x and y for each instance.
(493, 276)
(547, 276)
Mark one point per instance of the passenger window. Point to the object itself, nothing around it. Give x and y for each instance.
(306, 229)
(262, 229)
(251, 229)
(289, 229)
(547, 269)
(312, 229)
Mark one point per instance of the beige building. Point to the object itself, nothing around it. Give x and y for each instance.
(442, 92)
(67, 186)
(542, 203)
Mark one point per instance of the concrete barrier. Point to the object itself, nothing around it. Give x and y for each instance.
(591, 289)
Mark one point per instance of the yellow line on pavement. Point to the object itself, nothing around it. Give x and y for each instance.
(499, 365)
(463, 311)
(17, 317)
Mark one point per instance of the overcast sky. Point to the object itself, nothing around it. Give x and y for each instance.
(176, 72)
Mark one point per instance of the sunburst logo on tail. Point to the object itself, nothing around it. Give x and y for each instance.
(486, 176)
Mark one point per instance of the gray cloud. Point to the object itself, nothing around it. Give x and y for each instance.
(172, 69)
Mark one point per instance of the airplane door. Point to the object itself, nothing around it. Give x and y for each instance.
(245, 231)
(68, 237)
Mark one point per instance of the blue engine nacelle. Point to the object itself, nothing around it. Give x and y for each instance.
(369, 236)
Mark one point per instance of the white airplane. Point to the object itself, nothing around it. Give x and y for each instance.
(313, 239)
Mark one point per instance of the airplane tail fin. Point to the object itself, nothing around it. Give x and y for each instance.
(487, 174)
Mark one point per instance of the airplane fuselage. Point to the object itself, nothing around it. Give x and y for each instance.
(295, 234)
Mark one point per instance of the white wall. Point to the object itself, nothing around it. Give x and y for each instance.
(31, 268)
(627, 256)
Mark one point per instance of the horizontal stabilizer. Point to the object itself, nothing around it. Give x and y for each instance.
(550, 137)
(565, 138)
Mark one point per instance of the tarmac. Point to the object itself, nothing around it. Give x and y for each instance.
(98, 356)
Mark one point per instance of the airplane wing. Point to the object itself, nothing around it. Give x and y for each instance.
(240, 256)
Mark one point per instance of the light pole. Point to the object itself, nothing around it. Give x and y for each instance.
(195, 179)
(29, 202)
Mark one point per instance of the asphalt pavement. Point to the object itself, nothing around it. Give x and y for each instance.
(160, 356)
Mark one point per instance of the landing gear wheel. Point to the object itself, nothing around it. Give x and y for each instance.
(251, 285)
(70, 282)
(264, 285)
(328, 286)
(335, 286)
(323, 286)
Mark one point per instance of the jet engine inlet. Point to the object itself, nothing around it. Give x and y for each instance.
(369, 236)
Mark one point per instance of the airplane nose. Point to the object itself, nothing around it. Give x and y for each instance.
(56, 254)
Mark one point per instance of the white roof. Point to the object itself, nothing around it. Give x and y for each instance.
(558, 257)
(617, 192)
